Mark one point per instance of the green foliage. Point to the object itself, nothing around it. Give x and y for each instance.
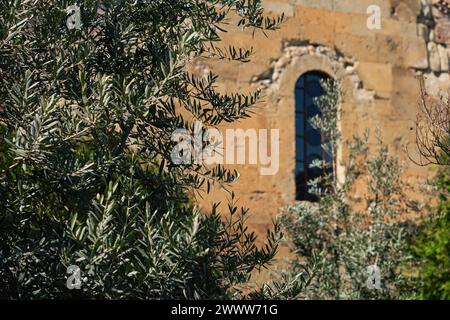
(287, 284)
(86, 176)
(433, 246)
(360, 222)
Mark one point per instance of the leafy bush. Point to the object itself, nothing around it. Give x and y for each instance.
(86, 177)
(358, 226)
(433, 247)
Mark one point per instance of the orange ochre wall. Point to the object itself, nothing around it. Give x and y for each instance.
(377, 69)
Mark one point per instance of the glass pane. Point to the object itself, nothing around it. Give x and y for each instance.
(300, 149)
(300, 82)
(299, 124)
(311, 107)
(313, 152)
(313, 88)
(299, 100)
(308, 143)
(299, 167)
(314, 138)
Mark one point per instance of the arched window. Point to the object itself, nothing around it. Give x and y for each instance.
(308, 140)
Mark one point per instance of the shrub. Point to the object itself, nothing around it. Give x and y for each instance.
(433, 246)
(86, 176)
(358, 241)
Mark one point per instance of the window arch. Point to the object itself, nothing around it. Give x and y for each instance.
(309, 141)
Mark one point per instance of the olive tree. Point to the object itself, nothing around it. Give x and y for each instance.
(357, 233)
(90, 93)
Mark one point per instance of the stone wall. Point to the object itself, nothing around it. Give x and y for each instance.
(378, 69)
(434, 27)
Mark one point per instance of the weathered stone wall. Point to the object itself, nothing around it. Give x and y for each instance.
(434, 27)
(378, 69)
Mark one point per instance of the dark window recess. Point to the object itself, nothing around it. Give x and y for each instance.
(309, 141)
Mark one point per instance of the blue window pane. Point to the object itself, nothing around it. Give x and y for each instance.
(314, 152)
(299, 167)
(309, 127)
(299, 100)
(313, 88)
(309, 140)
(314, 138)
(312, 110)
(300, 149)
(300, 82)
(311, 107)
(299, 124)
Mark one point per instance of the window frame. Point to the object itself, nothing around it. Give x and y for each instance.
(302, 177)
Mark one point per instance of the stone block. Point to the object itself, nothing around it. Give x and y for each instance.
(376, 76)
(360, 6)
(415, 53)
(404, 103)
(435, 60)
(321, 34)
(314, 16)
(360, 47)
(343, 22)
(389, 48)
(406, 12)
(321, 4)
(279, 7)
